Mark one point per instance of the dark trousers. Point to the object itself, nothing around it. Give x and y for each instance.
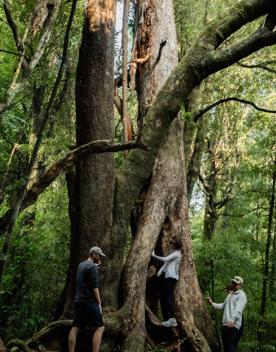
(231, 338)
(167, 297)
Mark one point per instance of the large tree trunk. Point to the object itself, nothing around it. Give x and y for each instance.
(164, 64)
(164, 200)
(138, 166)
(160, 200)
(95, 173)
(202, 60)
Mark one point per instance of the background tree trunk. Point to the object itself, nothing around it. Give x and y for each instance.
(267, 258)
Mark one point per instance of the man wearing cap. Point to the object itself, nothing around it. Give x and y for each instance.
(88, 311)
(232, 324)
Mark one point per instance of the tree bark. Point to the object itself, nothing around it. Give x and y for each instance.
(127, 125)
(160, 200)
(192, 312)
(164, 200)
(95, 173)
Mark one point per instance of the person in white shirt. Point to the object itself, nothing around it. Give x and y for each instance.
(232, 320)
(169, 274)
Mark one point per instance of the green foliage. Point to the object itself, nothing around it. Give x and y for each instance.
(37, 265)
(243, 139)
(238, 244)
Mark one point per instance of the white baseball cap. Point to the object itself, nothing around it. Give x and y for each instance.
(238, 280)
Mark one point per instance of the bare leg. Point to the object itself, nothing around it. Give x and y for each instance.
(97, 339)
(72, 338)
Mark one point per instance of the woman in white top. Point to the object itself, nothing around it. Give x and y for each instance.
(169, 274)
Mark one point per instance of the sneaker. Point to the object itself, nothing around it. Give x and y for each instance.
(169, 323)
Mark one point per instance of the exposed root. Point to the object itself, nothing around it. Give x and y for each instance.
(54, 336)
(18, 345)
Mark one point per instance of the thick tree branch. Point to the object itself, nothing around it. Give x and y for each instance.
(225, 57)
(225, 100)
(240, 14)
(64, 165)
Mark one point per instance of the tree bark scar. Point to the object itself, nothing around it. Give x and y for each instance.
(146, 22)
(100, 13)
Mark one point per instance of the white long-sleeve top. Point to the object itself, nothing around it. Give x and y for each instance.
(233, 307)
(171, 264)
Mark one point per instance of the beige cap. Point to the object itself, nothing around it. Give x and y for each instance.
(238, 280)
(96, 250)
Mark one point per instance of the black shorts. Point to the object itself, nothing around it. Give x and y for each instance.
(87, 314)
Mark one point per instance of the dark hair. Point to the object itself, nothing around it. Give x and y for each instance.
(176, 242)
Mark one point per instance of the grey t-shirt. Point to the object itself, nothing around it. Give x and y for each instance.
(87, 279)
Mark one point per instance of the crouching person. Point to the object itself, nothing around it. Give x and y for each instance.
(88, 310)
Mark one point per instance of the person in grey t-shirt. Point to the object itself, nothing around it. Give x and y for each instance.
(232, 320)
(88, 310)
